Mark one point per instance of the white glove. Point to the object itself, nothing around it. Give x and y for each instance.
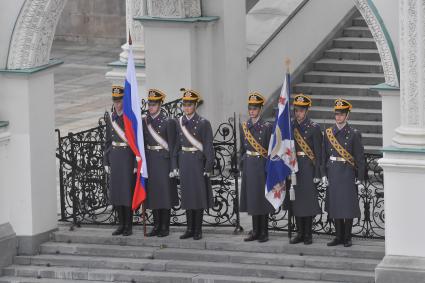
(207, 174)
(357, 182)
(174, 174)
(134, 170)
(325, 181)
(108, 169)
(316, 180)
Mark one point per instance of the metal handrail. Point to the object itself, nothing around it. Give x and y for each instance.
(277, 31)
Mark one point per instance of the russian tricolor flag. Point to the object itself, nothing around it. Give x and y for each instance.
(134, 129)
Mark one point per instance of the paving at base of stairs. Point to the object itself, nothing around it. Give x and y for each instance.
(91, 254)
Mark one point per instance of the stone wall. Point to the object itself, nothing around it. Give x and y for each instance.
(93, 21)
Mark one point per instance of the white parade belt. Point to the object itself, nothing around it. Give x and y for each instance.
(252, 153)
(189, 149)
(340, 159)
(154, 147)
(119, 144)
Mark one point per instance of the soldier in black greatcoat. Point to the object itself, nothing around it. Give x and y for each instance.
(120, 162)
(344, 169)
(160, 137)
(255, 136)
(308, 144)
(194, 153)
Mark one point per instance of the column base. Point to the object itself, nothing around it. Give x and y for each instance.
(396, 269)
(119, 71)
(409, 138)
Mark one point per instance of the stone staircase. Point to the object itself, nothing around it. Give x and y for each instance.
(348, 69)
(92, 255)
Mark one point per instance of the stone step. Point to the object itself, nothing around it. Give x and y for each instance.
(343, 78)
(357, 31)
(278, 243)
(368, 102)
(354, 43)
(149, 278)
(187, 270)
(327, 112)
(351, 66)
(210, 256)
(10, 279)
(339, 90)
(353, 54)
(359, 21)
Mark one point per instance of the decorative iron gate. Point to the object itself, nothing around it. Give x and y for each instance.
(371, 224)
(84, 184)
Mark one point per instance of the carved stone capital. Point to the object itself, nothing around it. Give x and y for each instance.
(174, 8)
(33, 35)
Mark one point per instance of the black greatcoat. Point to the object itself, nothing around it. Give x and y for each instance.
(253, 198)
(122, 162)
(161, 189)
(342, 194)
(196, 190)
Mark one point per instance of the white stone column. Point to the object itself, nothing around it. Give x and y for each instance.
(411, 132)
(390, 111)
(28, 104)
(134, 8)
(4, 141)
(404, 162)
(205, 53)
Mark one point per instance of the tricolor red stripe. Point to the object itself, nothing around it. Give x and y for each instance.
(133, 127)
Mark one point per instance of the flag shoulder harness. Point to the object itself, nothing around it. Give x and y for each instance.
(197, 144)
(304, 145)
(252, 141)
(120, 132)
(157, 137)
(339, 148)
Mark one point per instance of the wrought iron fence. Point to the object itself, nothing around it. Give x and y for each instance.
(371, 198)
(84, 184)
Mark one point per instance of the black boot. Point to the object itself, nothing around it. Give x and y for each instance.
(164, 215)
(199, 215)
(253, 235)
(264, 228)
(156, 223)
(121, 221)
(308, 230)
(348, 225)
(190, 223)
(299, 221)
(339, 234)
(128, 228)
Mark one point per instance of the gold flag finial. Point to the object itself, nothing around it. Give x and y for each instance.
(287, 64)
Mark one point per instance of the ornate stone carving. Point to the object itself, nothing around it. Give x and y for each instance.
(390, 69)
(174, 8)
(33, 34)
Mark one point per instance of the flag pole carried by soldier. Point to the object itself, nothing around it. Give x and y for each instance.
(308, 145)
(194, 153)
(344, 168)
(160, 139)
(254, 140)
(120, 162)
